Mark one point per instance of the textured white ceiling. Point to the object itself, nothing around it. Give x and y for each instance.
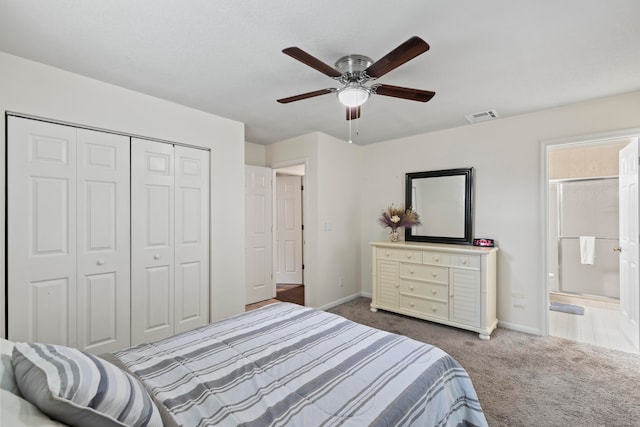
(224, 56)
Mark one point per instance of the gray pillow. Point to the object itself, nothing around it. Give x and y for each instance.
(80, 389)
(7, 378)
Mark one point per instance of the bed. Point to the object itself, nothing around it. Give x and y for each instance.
(282, 364)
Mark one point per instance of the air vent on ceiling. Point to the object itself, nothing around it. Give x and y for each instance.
(482, 116)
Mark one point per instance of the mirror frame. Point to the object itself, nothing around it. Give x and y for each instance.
(467, 239)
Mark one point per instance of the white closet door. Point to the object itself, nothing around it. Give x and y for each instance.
(191, 238)
(103, 241)
(41, 232)
(152, 241)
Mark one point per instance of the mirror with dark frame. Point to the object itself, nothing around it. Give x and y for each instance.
(444, 201)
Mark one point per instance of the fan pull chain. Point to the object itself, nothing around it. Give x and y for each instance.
(350, 141)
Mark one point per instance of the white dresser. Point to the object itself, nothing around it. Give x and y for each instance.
(450, 284)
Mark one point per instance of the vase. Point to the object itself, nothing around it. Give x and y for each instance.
(394, 236)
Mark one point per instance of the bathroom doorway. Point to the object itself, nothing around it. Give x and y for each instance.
(582, 242)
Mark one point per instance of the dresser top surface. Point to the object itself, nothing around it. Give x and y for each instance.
(440, 247)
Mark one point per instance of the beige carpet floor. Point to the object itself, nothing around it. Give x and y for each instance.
(528, 380)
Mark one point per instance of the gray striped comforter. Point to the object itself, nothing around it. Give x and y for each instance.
(285, 364)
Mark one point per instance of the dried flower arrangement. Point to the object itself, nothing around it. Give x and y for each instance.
(395, 217)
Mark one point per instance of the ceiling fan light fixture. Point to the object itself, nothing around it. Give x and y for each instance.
(353, 96)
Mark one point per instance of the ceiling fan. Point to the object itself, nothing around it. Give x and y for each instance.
(354, 71)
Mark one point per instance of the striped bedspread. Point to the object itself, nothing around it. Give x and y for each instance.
(285, 364)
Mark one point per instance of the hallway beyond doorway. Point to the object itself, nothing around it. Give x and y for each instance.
(290, 293)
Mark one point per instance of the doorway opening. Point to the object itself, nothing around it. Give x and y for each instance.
(289, 233)
(583, 242)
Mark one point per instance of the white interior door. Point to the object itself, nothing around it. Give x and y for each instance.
(41, 232)
(152, 240)
(191, 238)
(289, 229)
(258, 234)
(103, 258)
(629, 253)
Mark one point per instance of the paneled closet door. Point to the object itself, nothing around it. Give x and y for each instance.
(41, 232)
(152, 240)
(191, 238)
(103, 241)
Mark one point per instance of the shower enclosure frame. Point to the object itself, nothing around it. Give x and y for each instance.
(560, 227)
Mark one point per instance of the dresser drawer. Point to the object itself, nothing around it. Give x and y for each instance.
(471, 261)
(435, 258)
(428, 273)
(425, 289)
(399, 255)
(427, 307)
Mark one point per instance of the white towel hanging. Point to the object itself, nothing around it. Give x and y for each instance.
(587, 249)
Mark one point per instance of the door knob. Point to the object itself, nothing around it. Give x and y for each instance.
(618, 249)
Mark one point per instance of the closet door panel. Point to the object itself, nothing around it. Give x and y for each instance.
(41, 233)
(157, 288)
(152, 243)
(103, 241)
(192, 238)
(47, 308)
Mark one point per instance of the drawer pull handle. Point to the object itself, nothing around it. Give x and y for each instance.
(387, 253)
(408, 256)
(464, 261)
(395, 284)
(100, 261)
(411, 304)
(434, 274)
(434, 309)
(451, 295)
(411, 287)
(411, 271)
(433, 291)
(436, 259)
(156, 257)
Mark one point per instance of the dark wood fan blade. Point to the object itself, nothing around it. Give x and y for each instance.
(404, 92)
(304, 96)
(353, 113)
(398, 56)
(311, 61)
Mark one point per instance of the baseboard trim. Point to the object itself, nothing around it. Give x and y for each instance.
(340, 301)
(519, 328)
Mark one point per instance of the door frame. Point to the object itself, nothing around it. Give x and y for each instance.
(544, 208)
(308, 298)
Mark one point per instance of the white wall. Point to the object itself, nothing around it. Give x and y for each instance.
(35, 89)
(506, 156)
(331, 214)
(254, 154)
(339, 182)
